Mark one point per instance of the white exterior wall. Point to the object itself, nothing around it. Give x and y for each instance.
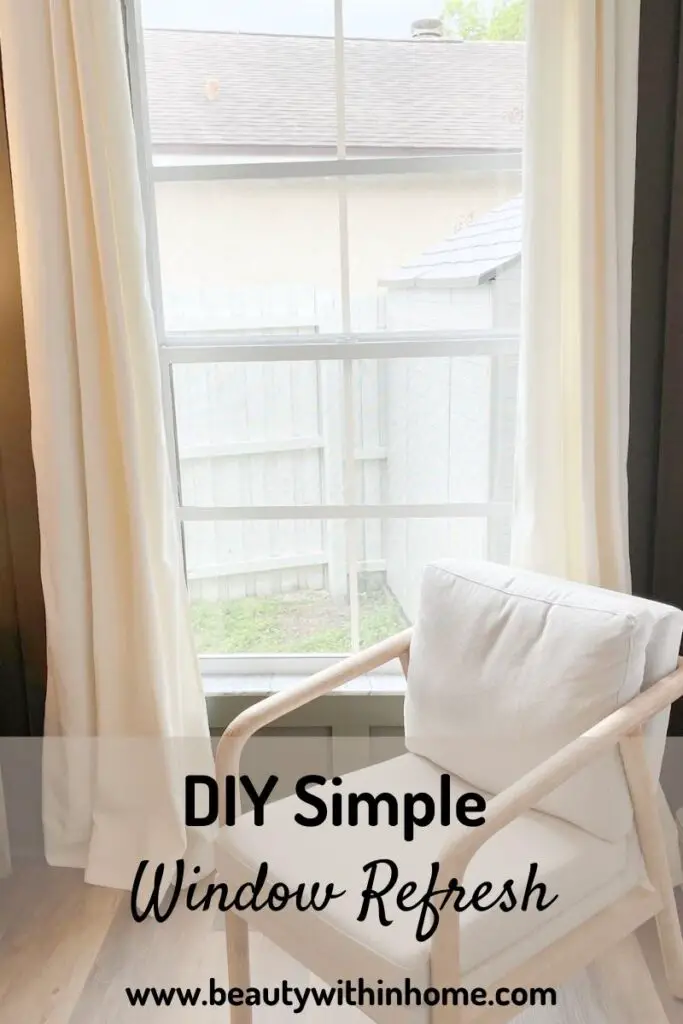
(240, 253)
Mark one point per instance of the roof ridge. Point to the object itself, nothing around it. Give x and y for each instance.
(313, 35)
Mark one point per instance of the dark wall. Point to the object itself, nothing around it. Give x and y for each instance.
(22, 625)
(656, 429)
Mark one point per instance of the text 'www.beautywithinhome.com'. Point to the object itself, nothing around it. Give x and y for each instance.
(344, 993)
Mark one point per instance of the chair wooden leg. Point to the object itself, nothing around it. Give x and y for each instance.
(239, 974)
(445, 959)
(653, 846)
(626, 985)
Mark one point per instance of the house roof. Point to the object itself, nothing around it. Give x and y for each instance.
(468, 257)
(251, 92)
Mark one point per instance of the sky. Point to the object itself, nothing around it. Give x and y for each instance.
(374, 19)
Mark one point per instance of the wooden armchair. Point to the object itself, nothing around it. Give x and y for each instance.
(607, 860)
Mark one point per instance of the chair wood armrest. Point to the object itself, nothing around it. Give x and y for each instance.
(523, 794)
(622, 726)
(268, 710)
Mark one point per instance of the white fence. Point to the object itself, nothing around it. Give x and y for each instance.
(428, 430)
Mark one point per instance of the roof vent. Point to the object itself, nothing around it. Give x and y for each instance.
(427, 28)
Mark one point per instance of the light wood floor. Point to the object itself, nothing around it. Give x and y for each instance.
(67, 952)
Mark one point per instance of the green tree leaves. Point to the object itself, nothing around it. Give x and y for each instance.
(471, 20)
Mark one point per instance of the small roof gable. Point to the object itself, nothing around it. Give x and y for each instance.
(468, 257)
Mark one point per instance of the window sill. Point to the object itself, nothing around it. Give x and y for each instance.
(244, 685)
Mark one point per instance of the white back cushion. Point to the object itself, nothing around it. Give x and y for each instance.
(508, 666)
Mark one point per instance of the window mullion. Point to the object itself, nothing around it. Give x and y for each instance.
(349, 443)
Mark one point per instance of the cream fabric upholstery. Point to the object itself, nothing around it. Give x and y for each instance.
(586, 872)
(508, 666)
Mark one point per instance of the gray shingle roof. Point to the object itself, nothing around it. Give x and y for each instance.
(278, 91)
(469, 256)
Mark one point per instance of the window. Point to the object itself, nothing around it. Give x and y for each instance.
(335, 239)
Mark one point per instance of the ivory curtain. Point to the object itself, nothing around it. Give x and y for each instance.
(570, 506)
(125, 710)
(570, 515)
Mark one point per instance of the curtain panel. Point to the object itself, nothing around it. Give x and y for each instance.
(570, 505)
(570, 515)
(125, 711)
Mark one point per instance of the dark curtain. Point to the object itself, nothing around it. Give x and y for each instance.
(22, 625)
(656, 428)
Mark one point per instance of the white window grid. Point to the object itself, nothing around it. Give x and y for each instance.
(346, 346)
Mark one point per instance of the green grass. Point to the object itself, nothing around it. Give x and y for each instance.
(308, 622)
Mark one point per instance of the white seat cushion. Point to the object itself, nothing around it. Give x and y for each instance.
(506, 667)
(586, 873)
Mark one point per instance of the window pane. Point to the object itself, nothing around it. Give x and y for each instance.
(263, 588)
(431, 430)
(421, 83)
(426, 252)
(244, 82)
(435, 430)
(409, 544)
(258, 433)
(239, 82)
(250, 255)
(284, 587)
(411, 251)
(435, 251)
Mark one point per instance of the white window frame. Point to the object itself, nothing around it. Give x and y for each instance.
(346, 346)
